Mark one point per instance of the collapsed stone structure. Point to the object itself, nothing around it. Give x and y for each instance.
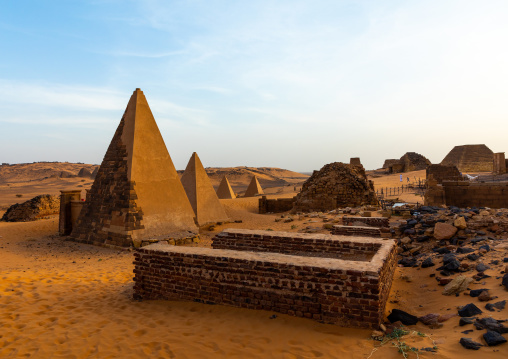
(37, 207)
(202, 196)
(442, 173)
(254, 188)
(410, 161)
(137, 193)
(389, 162)
(333, 186)
(224, 191)
(470, 158)
(333, 279)
(84, 172)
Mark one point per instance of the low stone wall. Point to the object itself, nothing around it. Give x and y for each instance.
(343, 292)
(277, 205)
(443, 173)
(304, 244)
(356, 231)
(371, 221)
(466, 194)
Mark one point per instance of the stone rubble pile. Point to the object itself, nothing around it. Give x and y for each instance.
(336, 185)
(37, 207)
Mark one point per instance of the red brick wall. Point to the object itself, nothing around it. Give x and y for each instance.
(356, 231)
(346, 293)
(371, 221)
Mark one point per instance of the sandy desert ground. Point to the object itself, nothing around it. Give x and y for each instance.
(60, 299)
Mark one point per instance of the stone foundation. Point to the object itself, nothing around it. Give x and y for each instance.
(320, 286)
(370, 221)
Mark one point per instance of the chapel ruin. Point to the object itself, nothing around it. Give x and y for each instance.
(136, 194)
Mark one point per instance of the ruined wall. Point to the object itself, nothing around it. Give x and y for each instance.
(346, 293)
(389, 163)
(444, 172)
(465, 194)
(336, 185)
(410, 161)
(277, 205)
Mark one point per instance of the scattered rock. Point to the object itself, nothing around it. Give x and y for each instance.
(493, 339)
(457, 285)
(484, 296)
(482, 267)
(470, 344)
(504, 282)
(402, 316)
(427, 263)
(498, 305)
(465, 321)
(469, 310)
(476, 292)
(460, 223)
(444, 231)
(490, 324)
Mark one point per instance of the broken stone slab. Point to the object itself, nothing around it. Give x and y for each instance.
(493, 339)
(402, 316)
(465, 321)
(469, 310)
(457, 285)
(490, 324)
(498, 305)
(468, 343)
(444, 231)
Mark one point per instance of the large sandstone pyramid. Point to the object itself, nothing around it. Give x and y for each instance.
(202, 196)
(136, 194)
(254, 188)
(470, 158)
(336, 185)
(225, 191)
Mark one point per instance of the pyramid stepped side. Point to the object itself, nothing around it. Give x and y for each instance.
(254, 188)
(470, 158)
(136, 194)
(202, 196)
(225, 191)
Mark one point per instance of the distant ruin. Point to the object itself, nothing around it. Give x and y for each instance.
(332, 279)
(499, 163)
(336, 185)
(410, 161)
(33, 209)
(202, 196)
(137, 193)
(224, 191)
(254, 188)
(470, 158)
(442, 173)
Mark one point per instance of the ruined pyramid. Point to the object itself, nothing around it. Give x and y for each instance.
(136, 194)
(254, 188)
(203, 199)
(225, 191)
(470, 158)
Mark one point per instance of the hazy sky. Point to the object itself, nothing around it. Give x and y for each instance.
(291, 84)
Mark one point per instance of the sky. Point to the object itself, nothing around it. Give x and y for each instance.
(290, 84)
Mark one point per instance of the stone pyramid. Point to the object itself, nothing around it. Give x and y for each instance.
(136, 194)
(470, 158)
(254, 188)
(202, 196)
(225, 191)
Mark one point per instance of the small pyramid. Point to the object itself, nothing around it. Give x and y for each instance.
(136, 194)
(254, 188)
(225, 191)
(202, 196)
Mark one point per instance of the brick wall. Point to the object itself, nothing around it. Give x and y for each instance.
(356, 231)
(276, 205)
(347, 293)
(444, 172)
(371, 221)
(295, 243)
(466, 194)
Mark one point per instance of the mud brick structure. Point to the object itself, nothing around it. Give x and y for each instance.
(276, 205)
(443, 173)
(466, 194)
(137, 193)
(370, 221)
(499, 163)
(336, 185)
(470, 158)
(33, 209)
(357, 231)
(389, 162)
(321, 286)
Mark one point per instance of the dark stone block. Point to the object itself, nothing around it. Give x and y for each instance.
(469, 310)
(402, 316)
(469, 344)
(493, 339)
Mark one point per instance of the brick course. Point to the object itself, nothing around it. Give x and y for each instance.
(371, 221)
(343, 292)
(356, 231)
